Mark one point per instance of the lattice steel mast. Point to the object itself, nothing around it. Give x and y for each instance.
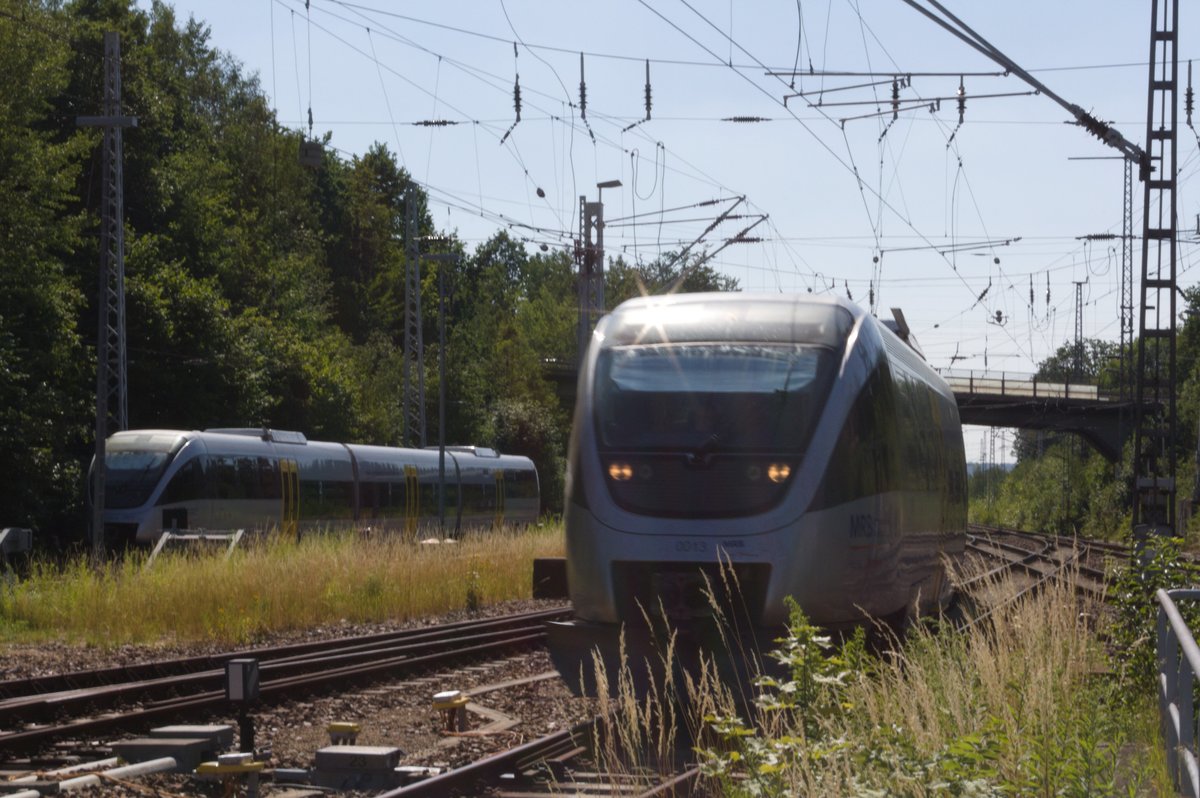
(112, 404)
(1154, 432)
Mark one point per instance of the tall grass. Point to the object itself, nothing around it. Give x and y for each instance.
(270, 586)
(1012, 706)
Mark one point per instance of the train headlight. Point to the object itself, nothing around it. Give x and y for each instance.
(620, 472)
(753, 473)
(779, 472)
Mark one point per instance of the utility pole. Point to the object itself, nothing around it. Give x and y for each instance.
(589, 254)
(111, 397)
(442, 260)
(1126, 355)
(414, 345)
(1154, 430)
(1077, 359)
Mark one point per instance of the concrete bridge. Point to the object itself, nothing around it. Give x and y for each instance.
(1002, 399)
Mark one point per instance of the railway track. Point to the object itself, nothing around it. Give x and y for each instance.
(38, 711)
(1037, 559)
(558, 764)
(80, 705)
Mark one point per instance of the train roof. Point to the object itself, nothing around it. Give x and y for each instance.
(724, 316)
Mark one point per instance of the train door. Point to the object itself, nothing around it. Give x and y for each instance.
(412, 500)
(498, 474)
(289, 516)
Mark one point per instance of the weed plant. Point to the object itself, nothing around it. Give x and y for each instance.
(270, 585)
(1020, 704)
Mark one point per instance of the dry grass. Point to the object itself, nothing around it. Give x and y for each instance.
(271, 586)
(1014, 706)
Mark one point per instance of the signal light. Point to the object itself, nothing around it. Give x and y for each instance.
(779, 472)
(620, 472)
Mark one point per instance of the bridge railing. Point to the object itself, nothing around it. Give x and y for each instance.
(1178, 666)
(1002, 383)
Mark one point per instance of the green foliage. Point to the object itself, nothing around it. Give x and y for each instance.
(258, 291)
(809, 736)
(1066, 490)
(45, 394)
(748, 763)
(1162, 565)
(671, 272)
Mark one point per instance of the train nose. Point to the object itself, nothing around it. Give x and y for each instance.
(683, 592)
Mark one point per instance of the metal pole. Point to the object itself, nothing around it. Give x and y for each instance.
(110, 306)
(442, 397)
(414, 343)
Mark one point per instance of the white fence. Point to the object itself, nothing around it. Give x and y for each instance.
(1178, 666)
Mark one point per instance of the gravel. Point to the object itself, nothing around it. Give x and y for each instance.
(394, 713)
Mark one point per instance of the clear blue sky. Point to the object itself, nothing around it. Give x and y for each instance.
(838, 196)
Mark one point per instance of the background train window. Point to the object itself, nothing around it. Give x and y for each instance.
(520, 484)
(187, 485)
(223, 473)
(429, 497)
(382, 500)
(326, 499)
(478, 497)
(268, 479)
(247, 477)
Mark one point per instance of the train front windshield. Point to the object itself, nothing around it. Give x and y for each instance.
(134, 465)
(704, 398)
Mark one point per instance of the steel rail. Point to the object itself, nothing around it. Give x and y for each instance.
(508, 773)
(181, 665)
(284, 685)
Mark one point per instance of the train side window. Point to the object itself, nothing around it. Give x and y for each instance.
(520, 484)
(224, 476)
(187, 485)
(247, 477)
(268, 479)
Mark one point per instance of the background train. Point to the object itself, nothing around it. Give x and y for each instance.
(796, 438)
(262, 478)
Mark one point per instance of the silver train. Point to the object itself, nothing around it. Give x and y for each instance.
(797, 439)
(261, 478)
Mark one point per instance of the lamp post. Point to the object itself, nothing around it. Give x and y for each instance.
(590, 254)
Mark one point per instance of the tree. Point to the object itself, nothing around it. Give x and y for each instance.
(669, 272)
(44, 393)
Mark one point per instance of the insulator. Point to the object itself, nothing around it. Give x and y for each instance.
(582, 91)
(1188, 97)
(647, 89)
(746, 119)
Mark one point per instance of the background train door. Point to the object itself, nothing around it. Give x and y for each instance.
(289, 516)
(498, 474)
(412, 500)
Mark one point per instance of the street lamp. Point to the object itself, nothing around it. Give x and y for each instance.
(603, 185)
(590, 253)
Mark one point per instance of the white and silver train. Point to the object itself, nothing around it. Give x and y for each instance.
(160, 479)
(794, 438)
